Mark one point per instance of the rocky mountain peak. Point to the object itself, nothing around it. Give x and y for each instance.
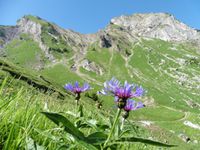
(29, 18)
(148, 25)
(156, 25)
(31, 25)
(132, 20)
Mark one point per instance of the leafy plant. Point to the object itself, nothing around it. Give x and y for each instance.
(111, 136)
(98, 138)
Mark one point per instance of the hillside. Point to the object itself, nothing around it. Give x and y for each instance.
(154, 50)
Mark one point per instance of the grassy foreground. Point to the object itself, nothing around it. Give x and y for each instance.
(24, 127)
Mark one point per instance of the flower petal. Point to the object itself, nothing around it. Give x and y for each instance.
(85, 87)
(139, 105)
(103, 92)
(138, 92)
(129, 105)
(132, 105)
(76, 84)
(69, 87)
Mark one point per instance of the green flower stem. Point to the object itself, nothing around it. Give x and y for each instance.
(113, 127)
(77, 102)
(77, 98)
(123, 121)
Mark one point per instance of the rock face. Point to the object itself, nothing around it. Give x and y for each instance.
(34, 29)
(28, 26)
(91, 66)
(184, 137)
(7, 33)
(156, 25)
(106, 42)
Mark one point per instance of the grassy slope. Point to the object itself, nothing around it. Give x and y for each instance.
(154, 64)
(22, 123)
(24, 52)
(61, 74)
(34, 79)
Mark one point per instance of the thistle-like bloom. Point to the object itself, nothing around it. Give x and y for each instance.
(76, 88)
(122, 92)
(125, 91)
(133, 105)
(110, 86)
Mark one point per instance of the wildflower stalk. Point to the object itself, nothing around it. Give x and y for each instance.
(77, 98)
(125, 115)
(113, 127)
(122, 125)
(77, 102)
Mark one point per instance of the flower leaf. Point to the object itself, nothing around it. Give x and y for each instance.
(70, 128)
(97, 138)
(142, 140)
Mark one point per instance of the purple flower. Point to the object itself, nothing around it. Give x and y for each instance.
(125, 91)
(132, 105)
(122, 92)
(76, 89)
(138, 92)
(110, 86)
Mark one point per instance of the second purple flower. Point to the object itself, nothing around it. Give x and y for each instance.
(76, 89)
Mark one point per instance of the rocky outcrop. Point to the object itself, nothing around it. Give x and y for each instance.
(91, 66)
(156, 25)
(184, 137)
(105, 41)
(28, 26)
(8, 33)
(34, 29)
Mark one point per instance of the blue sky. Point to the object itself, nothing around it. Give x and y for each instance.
(88, 16)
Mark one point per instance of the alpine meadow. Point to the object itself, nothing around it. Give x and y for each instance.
(133, 85)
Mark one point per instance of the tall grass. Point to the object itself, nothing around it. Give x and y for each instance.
(21, 119)
(23, 126)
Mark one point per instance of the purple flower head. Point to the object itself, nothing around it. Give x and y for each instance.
(139, 91)
(76, 88)
(110, 86)
(121, 92)
(132, 105)
(124, 92)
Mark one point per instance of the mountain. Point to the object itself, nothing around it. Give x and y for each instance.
(161, 26)
(154, 50)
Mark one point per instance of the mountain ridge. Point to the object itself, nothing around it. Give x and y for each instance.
(150, 25)
(158, 22)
